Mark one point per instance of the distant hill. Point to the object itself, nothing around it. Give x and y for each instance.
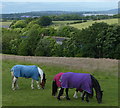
(48, 13)
(38, 14)
(112, 11)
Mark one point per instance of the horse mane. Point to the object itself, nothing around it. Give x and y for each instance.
(44, 77)
(95, 84)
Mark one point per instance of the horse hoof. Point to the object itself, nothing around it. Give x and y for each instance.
(87, 101)
(17, 88)
(62, 97)
(82, 100)
(13, 89)
(68, 98)
(75, 97)
(58, 98)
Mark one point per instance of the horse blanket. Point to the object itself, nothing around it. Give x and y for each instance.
(57, 79)
(26, 71)
(77, 80)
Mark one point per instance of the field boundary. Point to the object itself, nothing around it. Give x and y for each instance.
(86, 64)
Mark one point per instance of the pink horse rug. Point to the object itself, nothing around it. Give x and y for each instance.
(57, 79)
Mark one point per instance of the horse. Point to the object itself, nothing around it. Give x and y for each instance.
(83, 81)
(28, 71)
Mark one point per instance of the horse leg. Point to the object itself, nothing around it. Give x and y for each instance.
(67, 97)
(83, 95)
(38, 86)
(75, 94)
(17, 84)
(32, 84)
(14, 82)
(91, 95)
(60, 93)
(87, 97)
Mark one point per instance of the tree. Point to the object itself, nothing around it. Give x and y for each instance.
(65, 31)
(91, 41)
(44, 21)
(10, 38)
(111, 46)
(23, 48)
(19, 24)
(33, 38)
(45, 47)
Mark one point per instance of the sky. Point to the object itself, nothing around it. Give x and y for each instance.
(60, 0)
(57, 5)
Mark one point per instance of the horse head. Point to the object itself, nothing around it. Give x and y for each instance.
(43, 82)
(99, 96)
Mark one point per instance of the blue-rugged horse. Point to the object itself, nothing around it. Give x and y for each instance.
(28, 71)
(80, 81)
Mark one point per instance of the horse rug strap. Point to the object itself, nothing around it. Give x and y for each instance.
(26, 71)
(57, 79)
(77, 80)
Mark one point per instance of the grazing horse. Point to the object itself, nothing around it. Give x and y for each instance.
(83, 81)
(27, 71)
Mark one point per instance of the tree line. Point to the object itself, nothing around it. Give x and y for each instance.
(34, 38)
(58, 17)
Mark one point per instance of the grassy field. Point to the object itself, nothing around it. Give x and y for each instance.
(56, 24)
(25, 96)
(89, 23)
(5, 24)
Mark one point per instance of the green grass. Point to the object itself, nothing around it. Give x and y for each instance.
(25, 96)
(89, 23)
(56, 24)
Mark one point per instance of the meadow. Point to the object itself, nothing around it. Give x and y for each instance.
(25, 96)
(5, 24)
(56, 24)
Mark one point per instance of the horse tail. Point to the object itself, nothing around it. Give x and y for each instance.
(54, 88)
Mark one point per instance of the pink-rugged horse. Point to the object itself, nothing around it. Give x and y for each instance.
(81, 81)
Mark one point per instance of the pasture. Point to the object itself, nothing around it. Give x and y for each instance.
(56, 24)
(5, 24)
(25, 96)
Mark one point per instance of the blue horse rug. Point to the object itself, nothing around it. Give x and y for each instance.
(26, 71)
(77, 80)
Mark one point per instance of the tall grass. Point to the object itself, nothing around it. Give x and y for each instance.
(25, 96)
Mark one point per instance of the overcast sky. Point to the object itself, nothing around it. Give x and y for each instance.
(60, 0)
(52, 5)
